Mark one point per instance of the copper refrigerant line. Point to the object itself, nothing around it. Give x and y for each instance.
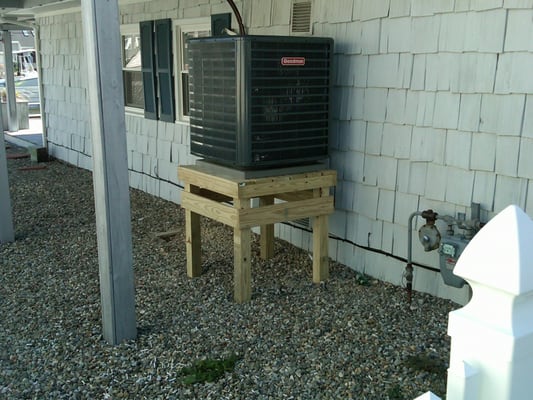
(242, 31)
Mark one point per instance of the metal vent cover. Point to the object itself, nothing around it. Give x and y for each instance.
(301, 16)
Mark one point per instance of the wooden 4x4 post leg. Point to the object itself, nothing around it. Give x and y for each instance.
(242, 271)
(320, 242)
(266, 239)
(193, 239)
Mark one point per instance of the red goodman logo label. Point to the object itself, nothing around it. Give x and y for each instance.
(293, 61)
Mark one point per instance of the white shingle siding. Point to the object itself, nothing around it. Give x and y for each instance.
(357, 103)
(360, 71)
(525, 160)
(346, 202)
(485, 4)
(483, 153)
(436, 182)
(446, 114)
(354, 135)
(473, 72)
(426, 108)
(510, 191)
(519, 35)
(424, 7)
(528, 117)
(505, 146)
(370, 36)
(374, 135)
(459, 184)
(344, 70)
(425, 34)
(518, 3)
(353, 34)
(432, 108)
(514, 72)
(469, 112)
(365, 10)
(452, 32)
(405, 204)
(341, 11)
(396, 141)
(529, 201)
(502, 114)
(400, 8)
(411, 107)
(395, 35)
(427, 144)
(399, 244)
(484, 185)
(419, 72)
(417, 178)
(366, 200)
(381, 70)
(371, 169)
(439, 71)
(402, 175)
(486, 30)
(458, 147)
(386, 200)
(375, 104)
(281, 12)
(348, 164)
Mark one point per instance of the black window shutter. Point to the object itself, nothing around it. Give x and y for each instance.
(148, 68)
(163, 40)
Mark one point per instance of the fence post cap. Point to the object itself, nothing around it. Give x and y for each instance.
(428, 396)
(500, 254)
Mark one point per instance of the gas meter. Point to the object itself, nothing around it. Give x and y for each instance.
(450, 249)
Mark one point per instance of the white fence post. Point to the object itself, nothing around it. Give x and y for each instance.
(7, 233)
(492, 336)
(428, 396)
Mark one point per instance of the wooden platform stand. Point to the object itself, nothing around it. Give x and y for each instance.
(227, 199)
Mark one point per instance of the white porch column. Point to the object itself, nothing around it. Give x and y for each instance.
(110, 168)
(12, 120)
(6, 215)
(491, 354)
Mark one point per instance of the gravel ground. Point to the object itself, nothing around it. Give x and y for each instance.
(352, 338)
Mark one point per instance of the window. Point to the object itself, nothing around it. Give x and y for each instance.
(184, 30)
(151, 51)
(131, 67)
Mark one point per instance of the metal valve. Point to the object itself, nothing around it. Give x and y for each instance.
(429, 236)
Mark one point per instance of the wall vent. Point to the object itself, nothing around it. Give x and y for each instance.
(301, 16)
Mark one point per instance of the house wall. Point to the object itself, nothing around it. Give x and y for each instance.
(432, 108)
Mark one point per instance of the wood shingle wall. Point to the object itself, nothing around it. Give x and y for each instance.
(433, 108)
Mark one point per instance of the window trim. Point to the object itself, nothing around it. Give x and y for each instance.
(130, 29)
(181, 26)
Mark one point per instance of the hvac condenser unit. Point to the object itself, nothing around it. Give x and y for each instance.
(260, 101)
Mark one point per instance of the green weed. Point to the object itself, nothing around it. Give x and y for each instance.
(209, 370)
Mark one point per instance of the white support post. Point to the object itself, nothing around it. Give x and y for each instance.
(7, 233)
(12, 118)
(110, 168)
(491, 354)
(463, 381)
(428, 396)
